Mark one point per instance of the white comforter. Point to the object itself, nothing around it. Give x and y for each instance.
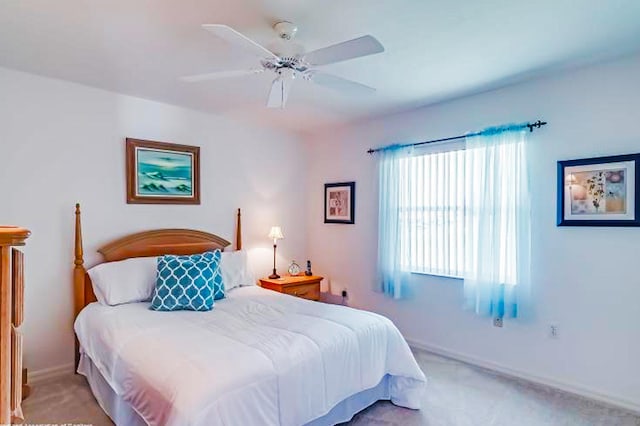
(259, 358)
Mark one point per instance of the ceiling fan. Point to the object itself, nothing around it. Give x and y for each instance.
(291, 62)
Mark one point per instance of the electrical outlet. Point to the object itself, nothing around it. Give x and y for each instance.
(344, 293)
(554, 331)
(497, 322)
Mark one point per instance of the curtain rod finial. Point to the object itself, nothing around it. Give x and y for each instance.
(538, 124)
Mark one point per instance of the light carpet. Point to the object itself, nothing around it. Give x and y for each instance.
(458, 394)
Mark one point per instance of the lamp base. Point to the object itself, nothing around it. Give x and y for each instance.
(274, 275)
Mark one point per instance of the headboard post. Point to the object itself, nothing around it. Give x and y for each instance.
(78, 275)
(239, 232)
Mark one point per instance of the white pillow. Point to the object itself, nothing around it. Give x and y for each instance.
(125, 281)
(235, 270)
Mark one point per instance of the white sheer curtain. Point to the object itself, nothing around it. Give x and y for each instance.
(459, 211)
(394, 233)
(497, 223)
(421, 215)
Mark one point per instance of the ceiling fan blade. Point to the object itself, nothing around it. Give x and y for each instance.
(341, 84)
(358, 47)
(279, 93)
(234, 37)
(218, 75)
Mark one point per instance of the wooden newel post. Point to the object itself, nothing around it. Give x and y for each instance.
(78, 276)
(239, 232)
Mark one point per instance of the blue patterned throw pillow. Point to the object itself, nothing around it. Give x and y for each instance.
(188, 282)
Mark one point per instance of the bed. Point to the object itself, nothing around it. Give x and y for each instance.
(258, 358)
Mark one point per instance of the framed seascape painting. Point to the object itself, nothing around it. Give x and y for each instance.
(599, 191)
(339, 202)
(162, 173)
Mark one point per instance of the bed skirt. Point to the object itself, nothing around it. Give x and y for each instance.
(123, 414)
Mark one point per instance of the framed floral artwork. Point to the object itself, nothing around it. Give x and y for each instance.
(339, 202)
(599, 191)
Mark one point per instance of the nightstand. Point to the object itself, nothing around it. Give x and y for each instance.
(300, 286)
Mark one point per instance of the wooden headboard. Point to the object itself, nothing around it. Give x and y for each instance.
(142, 244)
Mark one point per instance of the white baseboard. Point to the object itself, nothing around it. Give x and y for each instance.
(573, 388)
(45, 374)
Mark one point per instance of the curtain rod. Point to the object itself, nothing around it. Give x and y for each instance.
(538, 124)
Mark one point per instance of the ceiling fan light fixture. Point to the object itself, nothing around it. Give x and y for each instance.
(287, 74)
(286, 30)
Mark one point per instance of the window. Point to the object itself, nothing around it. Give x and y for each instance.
(439, 213)
(459, 212)
(463, 212)
(433, 213)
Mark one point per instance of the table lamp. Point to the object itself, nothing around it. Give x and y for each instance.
(275, 234)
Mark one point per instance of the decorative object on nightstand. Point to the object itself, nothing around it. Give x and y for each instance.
(294, 269)
(275, 234)
(300, 286)
(308, 271)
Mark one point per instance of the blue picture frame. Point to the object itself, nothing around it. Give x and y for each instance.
(597, 190)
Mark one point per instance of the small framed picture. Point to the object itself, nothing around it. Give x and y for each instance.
(599, 191)
(162, 173)
(339, 202)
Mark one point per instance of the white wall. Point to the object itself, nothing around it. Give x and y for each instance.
(587, 280)
(61, 143)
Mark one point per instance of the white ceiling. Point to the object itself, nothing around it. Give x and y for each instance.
(435, 49)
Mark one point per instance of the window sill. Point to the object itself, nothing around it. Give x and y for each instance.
(429, 274)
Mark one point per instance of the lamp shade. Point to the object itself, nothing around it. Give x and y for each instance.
(276, 233)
